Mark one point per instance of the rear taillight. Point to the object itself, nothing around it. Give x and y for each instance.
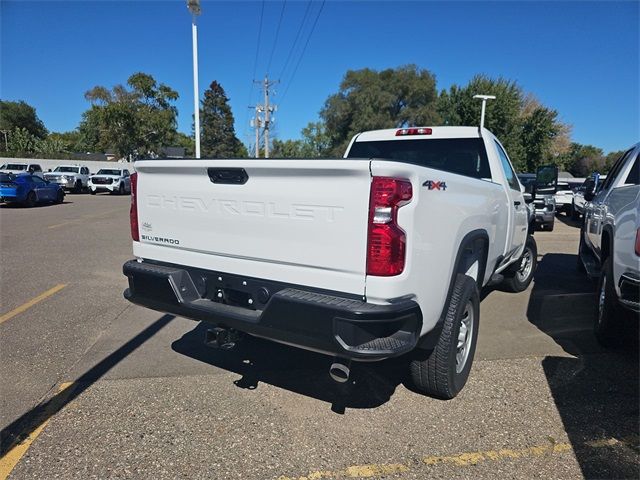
(133, 213)
(638, 242)
(386, 241)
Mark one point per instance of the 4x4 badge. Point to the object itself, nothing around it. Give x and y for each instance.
(433, 185)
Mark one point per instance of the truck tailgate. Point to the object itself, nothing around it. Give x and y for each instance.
(295, 221)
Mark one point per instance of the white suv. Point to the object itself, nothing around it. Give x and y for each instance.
(70, 177)
(610, 246)
(113, 180)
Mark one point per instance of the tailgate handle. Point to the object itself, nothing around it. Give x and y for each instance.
(228, 176)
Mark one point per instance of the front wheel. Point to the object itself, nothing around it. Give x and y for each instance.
(520, 275)
(443, 372)
(60, 196)
(77, 187)
(121, 190)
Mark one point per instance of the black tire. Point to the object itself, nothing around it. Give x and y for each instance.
(77, 188)
(608, 322)
(60, 197)
(121, 189)
(31, 199)
(93, 192)
(435, 373)
(518, 277)
(549, 226)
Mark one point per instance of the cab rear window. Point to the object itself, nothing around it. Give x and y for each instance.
(462, 156)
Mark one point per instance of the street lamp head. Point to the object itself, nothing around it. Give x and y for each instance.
(194, 6)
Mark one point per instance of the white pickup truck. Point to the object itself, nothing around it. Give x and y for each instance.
(376, 255)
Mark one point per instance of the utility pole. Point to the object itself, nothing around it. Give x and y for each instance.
(256, 122)
(267, 109)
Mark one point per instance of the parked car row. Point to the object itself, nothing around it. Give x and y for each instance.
(25, 183)
(609, 249)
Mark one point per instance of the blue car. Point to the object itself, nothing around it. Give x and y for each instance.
(28, 189)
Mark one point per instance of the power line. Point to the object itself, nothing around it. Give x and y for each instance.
(295, 41)
(295, 70)
(255, 65)
(275, 41)
(255, 62)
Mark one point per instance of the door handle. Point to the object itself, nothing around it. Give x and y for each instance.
(516, 203)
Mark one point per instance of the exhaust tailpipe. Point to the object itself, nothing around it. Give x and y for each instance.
(339, 372)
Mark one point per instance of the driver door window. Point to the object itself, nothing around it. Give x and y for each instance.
(512, 180)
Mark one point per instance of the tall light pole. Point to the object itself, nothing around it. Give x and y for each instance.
(484, 99)
(194, 8)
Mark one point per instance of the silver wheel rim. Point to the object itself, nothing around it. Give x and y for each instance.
(526, 265)
(465, 334)
(601, 298)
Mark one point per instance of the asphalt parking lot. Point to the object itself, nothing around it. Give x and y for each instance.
(94, 387)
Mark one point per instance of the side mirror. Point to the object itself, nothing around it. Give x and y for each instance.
(547, 179)
(589, 194)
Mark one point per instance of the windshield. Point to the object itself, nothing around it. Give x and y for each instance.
(106, 171)
(67, 169)
(15, 166)
(463, 156)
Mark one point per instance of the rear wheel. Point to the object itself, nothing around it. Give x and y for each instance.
(31, 199)
(443, 372)
(609, 316)
(519, 276)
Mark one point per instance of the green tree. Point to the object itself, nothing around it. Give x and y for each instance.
(529, 131)
(137, 119)
(21, 140)
(21, 115)
(218, 138)
(288, 149)
(370, 99)
(69, 141)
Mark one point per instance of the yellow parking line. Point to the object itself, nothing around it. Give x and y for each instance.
(32, 302)
(13, 456)
(460, 460)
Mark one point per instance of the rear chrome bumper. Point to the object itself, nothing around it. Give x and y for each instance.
(333, 323)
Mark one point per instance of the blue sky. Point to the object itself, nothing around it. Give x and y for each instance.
(580, 58)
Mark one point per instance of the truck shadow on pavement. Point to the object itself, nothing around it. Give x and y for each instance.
(21, 428)
(296, 370)
(597, 392)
